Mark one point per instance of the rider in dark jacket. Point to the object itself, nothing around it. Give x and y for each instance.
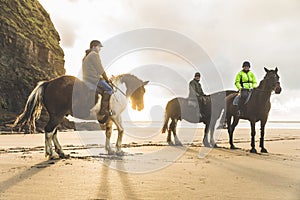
(195, 89)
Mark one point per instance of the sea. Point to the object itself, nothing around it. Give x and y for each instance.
(242, 124)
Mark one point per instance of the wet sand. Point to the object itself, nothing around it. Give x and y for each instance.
(150, 169)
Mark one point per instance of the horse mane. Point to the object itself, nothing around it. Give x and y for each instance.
(131, 81)
(124, 77)
(261, 83)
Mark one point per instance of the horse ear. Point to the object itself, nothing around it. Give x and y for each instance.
(145, 82)
(266, 70)
(276, 69)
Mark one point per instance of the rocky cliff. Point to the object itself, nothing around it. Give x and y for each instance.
(29, 52)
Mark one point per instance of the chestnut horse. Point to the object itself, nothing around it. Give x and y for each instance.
(67, 95)
(256, 109)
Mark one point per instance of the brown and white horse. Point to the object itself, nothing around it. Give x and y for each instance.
(67, 95)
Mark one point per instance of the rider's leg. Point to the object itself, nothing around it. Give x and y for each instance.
(242, 100)
(105, 108)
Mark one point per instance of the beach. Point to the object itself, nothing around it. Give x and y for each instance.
(150, 169)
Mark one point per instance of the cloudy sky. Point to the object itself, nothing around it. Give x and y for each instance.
(266, 33)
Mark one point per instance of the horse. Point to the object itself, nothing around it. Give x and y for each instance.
(207, 111)
(256, 109)
(68, 95)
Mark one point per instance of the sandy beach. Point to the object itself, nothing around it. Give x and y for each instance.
(150, 168)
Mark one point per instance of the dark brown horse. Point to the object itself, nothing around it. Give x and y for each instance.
(256, 109)
(207, 111)
(67, 95)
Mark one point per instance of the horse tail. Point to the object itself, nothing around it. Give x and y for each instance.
(166, 121)
(165, 127)
(33, 107)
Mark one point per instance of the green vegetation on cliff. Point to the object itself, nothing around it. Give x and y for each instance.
(29, 53)
(21, 17)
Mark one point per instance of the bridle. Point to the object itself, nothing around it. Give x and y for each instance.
(274, 86)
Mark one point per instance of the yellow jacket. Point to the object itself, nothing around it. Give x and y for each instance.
(245, 80)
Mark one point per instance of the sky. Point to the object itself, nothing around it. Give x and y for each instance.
(223, 34)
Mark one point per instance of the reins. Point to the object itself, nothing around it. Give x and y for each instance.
(261, 90)
(118, 89)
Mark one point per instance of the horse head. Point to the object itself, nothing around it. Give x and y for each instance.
(135, 90)
(272, 80)
(137, 97)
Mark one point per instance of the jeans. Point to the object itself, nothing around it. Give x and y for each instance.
(104, 87)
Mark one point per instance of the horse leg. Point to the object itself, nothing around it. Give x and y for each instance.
(169, 141)
(118, 122)
(262, 135)
(48, 145)
(170, 130)
(177, 141)
(108, 131)
(119, 140)
(253, 150)
(212, 131)
(205, 138)
(50, 131)
(58, 148)
(231, 130)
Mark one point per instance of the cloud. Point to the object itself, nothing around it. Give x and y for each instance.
(264, 32)
(67, 32)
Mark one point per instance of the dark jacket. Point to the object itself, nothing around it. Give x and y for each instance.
(195, 89)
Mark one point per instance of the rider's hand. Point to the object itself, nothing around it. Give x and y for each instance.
(110, 82)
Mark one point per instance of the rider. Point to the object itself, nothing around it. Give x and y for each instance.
(244, 81)
(93, 74)
(195, 89)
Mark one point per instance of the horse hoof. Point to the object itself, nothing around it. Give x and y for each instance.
(178, 143)
(263, 150)
(253, 150)
(52, 157)
(111, 152)
(206, 144)
(233, 147)
(215, 146)
(170, 143)
(64, 156)
(120, 153)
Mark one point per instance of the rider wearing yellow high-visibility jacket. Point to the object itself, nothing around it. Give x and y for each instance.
(244, 81)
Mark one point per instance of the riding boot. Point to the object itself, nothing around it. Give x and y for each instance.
(104, 112)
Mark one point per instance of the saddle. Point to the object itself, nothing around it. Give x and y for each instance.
(192, 102)
(193, 106)
(238, 97)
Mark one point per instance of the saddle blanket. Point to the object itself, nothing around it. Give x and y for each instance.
(237, 98)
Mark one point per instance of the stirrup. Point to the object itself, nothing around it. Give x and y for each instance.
(102, 118)
(111, 113)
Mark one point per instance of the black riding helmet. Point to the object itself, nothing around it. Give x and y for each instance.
(246, 64)
(95, 43)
